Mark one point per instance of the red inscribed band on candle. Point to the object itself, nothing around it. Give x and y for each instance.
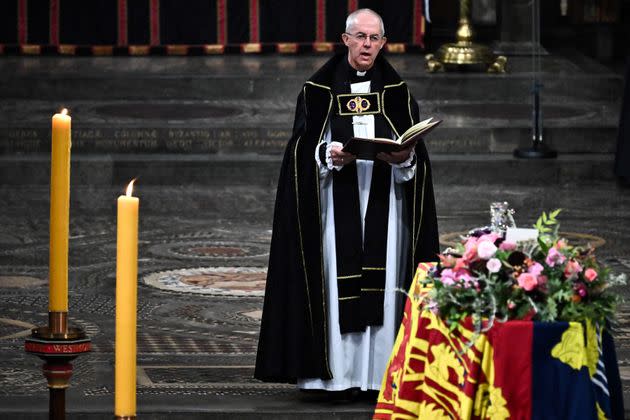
(122, 23)
(254, 30)
(57, 348)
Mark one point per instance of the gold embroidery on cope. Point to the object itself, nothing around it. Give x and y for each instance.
(364, 104)
(358, 104)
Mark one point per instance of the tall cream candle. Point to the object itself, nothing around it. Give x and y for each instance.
(59, 212)
(126, 304)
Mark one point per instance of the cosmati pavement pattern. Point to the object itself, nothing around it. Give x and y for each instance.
(201, 278)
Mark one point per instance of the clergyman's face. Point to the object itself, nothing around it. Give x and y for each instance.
(363, 52)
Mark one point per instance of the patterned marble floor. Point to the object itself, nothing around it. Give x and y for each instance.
(201, 281)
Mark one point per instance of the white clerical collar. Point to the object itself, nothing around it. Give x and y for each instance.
(361, 73)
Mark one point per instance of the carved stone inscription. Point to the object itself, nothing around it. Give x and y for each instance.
(152, 140)
(134, 139)
(24, 140)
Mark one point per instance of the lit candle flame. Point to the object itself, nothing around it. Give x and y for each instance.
(64, 111)
(130, 187)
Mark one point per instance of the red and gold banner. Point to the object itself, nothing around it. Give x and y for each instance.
(22, 22)
(123, 39)
(155, 22)
(203, 26)
(222, 22)
(54, 22)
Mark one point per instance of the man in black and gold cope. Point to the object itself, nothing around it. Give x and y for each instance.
(346, 232)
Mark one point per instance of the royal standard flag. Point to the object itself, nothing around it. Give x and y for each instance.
(515, 370)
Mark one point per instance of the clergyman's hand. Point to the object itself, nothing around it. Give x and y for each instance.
(397, 157)
(339, 157)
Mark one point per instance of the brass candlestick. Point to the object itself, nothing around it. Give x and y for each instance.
(57, 344)
(464, 52)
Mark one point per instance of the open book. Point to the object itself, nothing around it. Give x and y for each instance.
(367, 149)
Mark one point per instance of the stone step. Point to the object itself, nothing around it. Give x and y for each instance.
(280, 77)
(264, 126)
(262, 170)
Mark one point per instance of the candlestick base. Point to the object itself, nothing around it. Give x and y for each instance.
(48, 333)
(57, 349)
(125, 417)
(58, 322)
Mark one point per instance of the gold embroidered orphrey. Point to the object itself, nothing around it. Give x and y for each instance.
(364, 104)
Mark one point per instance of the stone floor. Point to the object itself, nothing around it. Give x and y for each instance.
(204, 235)
(201, 279)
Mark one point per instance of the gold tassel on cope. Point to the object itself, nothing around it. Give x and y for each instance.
(126, 304)
(59, 213)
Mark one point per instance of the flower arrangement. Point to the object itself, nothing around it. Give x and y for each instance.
(547, 279)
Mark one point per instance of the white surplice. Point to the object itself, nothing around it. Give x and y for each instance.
(358, 360)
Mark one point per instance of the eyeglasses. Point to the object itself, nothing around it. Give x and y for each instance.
(361, 37)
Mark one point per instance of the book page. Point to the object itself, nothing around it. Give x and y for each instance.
(417, 129)
(367, 148)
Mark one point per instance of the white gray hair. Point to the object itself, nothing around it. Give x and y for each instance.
(351, 20)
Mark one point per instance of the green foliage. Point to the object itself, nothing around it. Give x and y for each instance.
(547, 227)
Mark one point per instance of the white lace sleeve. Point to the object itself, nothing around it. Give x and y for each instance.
(406, 170)
(323, 158)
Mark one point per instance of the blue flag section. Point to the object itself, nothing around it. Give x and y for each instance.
(609, 356)
(574, 373)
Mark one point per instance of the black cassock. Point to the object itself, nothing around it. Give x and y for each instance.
(622, 158)
(293, 335)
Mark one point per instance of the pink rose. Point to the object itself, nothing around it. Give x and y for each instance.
(492, 237)
(486, 249)
(554, 257)
(470, 254)
(535, 269)
(471, 242)
(527, 281)
(580, 288)
(493, 265)
(572, 269)
(470, 249)
(590, 274)
(447, 277)
(507, 246)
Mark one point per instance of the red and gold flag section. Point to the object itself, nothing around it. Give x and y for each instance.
(515, 370)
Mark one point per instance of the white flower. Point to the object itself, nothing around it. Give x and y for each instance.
(486, 249)
(493, 265)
